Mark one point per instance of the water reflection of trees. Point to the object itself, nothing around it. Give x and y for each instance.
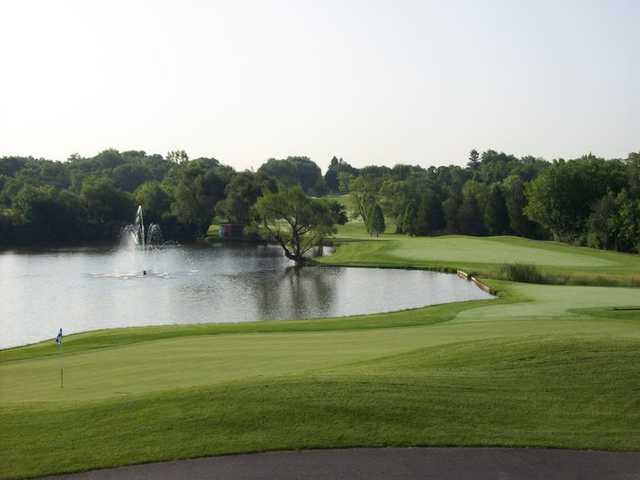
(295, 293)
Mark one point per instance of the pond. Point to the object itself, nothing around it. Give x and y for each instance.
(80, 289)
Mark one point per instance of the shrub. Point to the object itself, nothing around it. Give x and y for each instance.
(520, 272)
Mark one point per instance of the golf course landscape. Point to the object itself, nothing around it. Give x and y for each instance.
(320, 240)
(543, 365)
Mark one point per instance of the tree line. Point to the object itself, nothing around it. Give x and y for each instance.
(91, 199)
(586, 201)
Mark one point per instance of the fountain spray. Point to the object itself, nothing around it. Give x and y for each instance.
(139, 227)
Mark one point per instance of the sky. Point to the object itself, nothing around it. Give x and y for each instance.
(373, 82)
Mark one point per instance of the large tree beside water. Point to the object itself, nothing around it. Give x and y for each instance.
(295, 221)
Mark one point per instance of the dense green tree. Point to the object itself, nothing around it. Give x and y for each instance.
(107, 207)
(12, 186)
(527, 168)
(7, 229)
(10, 166)
(470, 219)
(470, 211)
(627, 222)
(633, 173)
(495, 167)
(119, 171)
(602, 223)
(129, 176)
(474, 160)
(155, 201)
(478, 191)
(241, 194)
(283, 170)
(49, 215)
(377, 225)
(393, 197)
(496, 215)
(331, 175)
(339, 212)
(225, 172)
(43, 172)
(197, 190)
(450, 209)
(407, 221)
(344, 181)
(378, 172)
(364, 193)
(293, 171)
(338, 169)
(296, 222)
(403, 172)
(429, 217)
(561, 198)
(515, 200)
(331, 181)
(177, 156)
(108, 159)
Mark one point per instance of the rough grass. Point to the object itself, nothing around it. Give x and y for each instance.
(553, 366)
(521, 272)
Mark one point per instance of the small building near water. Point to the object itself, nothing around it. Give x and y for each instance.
(230, 231)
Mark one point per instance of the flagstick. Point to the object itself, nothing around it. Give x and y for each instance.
(61, 367)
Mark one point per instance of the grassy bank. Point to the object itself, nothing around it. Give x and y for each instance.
(545, 365)
(559, 263)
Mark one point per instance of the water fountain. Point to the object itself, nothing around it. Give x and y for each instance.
(139, 247)
(141, 237)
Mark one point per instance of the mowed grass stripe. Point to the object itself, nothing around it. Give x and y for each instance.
(574, 392)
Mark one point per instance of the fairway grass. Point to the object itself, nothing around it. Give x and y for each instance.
(561, 263)
(543, 365)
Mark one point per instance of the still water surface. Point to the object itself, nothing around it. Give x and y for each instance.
(82, 289)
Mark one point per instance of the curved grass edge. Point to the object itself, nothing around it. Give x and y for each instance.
(118, 337)
(378, 253)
